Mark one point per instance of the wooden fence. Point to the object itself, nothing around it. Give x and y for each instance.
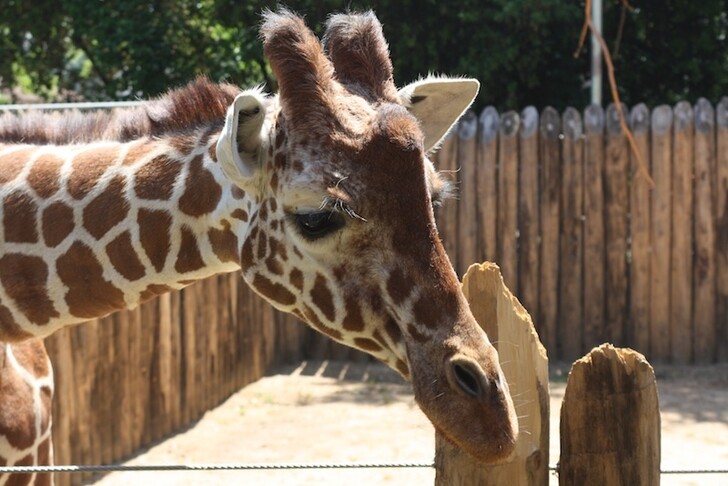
(594, 251)
(127, 381)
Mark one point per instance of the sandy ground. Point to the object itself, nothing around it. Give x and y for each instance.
(335, 412)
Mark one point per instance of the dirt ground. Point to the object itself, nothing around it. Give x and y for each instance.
(337, 412)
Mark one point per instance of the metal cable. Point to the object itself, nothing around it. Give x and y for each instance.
(208, 467)
(269, 467)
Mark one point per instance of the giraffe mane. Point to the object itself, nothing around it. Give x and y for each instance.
(199, 104)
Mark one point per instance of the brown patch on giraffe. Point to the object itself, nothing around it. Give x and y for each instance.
(246, 255)
(274, 182)
(44, 177)
(353, 320)
(402, 367)
(297, 252)
(44, 459)
(87, 167)
(17, 423)
(263, 212)
(20, 218)
(224, 243)
(32, 357)
(430, 312)
(124, 258)
(367, 344)
(154, 235)
(399, 286)
(9, 329)
(14, 162)
(189, 258)
(155, 180)
(89, 293)
(24, 279)
(184, 144)
(240, 214)
(202, 193)
(273, 265)
(262, 245)
(297, 165)
(322, 298)
(274, 225)
(296, 278)
(237, 192)
(416, 334)
(273, 205)
(314, 321)
(57, 223)
(280, 160)
(272, 290)
(107, 209)
(276, 248)
(152, 291)
(393, 330)
(137, 151)
(280, 138)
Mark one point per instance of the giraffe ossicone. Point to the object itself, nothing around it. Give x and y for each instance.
(321, 196)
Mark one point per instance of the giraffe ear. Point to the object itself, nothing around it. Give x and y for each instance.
(241, 143)
(438, 103)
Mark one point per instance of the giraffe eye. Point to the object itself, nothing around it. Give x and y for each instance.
(318, 224)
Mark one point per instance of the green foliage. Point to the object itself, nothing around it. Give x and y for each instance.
(520, 50)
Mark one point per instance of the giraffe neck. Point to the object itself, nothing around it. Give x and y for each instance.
(89, 230)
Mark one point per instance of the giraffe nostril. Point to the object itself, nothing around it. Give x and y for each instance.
(467, 376)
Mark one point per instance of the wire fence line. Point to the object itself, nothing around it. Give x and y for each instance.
(269, 467)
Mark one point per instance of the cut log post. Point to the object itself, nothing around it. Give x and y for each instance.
(525, 367)
(610, 420)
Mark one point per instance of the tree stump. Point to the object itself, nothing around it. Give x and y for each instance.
(610, 420)
(525, 366)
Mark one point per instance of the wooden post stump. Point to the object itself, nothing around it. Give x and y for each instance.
(610, 420)
(525, 367)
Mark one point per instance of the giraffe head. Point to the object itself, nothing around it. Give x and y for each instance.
(342, 232)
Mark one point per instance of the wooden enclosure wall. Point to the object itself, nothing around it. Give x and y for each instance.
(129, 380)
(593, 249)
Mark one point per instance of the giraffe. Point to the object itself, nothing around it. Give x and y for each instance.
(322, 197)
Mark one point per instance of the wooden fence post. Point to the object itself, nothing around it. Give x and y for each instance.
(594, 247)
(488, 125)
(610, 420)
(721, 231)
(508, 197)
(616, 210)
(547, 318)
(704, 232)
(528, 211)
(525, 367)
(681, 276)
(640, 231)
(571, 245)
(661, 210)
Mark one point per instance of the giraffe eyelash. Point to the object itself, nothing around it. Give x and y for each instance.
(335, 204)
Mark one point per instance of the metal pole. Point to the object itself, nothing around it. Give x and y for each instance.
(596, 54)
